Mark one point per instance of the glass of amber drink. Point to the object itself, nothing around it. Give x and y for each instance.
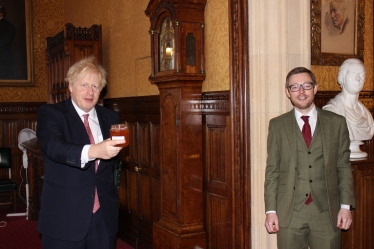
(120, 132)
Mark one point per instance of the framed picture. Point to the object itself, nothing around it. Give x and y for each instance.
(337, 31)
(16, 47)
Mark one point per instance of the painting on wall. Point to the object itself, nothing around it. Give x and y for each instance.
(16, 50)
(337, 31)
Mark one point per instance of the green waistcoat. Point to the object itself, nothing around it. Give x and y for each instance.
(310, 177)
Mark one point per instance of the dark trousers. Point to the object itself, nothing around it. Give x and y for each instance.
(97, 237)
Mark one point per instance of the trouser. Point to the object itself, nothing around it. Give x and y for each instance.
(311, 228)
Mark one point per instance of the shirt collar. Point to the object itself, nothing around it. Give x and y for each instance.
(312, 113)
(92, 112)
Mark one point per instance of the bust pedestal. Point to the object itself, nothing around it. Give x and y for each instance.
(356, 153)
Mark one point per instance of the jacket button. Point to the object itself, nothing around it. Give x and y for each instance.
(310, 180)
(309, 152)
(306, 194)
(310, 166)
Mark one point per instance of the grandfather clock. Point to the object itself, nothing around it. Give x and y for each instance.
(177, 51)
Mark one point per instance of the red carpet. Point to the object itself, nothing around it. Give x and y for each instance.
(19, 233)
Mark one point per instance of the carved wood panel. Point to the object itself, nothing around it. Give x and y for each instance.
(63, 50)
(217, 180)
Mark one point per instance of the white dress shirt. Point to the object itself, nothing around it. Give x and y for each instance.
(95, 129)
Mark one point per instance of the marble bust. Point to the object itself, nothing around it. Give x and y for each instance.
(351, 79)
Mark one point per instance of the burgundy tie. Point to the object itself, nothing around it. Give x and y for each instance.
(306, 131)
(307, 134)
(92, 141)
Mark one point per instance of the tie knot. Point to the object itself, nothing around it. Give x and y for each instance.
(85, 116)
(305, 119)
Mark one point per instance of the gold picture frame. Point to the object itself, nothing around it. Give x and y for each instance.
(22, 45)
(332, 44)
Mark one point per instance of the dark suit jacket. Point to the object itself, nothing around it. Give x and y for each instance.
(68, 190)
(281, 176)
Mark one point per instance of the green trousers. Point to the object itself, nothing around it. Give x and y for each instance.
(309, 228)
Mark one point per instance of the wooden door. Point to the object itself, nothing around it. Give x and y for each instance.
(140, 185)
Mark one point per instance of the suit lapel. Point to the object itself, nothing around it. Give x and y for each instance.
(325, 124)
(290, 128)
(104, 124)
(105, 130)
(76, 121)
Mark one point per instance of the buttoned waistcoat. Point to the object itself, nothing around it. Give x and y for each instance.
(282, 162)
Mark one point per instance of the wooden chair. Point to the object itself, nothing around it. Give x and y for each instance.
(7, 185)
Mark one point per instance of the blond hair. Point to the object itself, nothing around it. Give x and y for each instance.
(85, 66)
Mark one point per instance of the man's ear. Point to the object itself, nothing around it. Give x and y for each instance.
(315, 89)
(287, 91)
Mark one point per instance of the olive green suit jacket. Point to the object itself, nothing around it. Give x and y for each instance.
(281, 165)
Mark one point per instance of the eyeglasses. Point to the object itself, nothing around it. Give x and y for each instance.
(305, 85)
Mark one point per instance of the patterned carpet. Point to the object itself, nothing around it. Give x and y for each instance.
(18, 233)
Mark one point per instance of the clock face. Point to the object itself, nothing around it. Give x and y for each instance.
(166, 45)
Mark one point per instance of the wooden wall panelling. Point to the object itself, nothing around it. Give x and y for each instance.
(360, 235)
(13, 118)
(139, 192)
(217, 170)
(217, 176)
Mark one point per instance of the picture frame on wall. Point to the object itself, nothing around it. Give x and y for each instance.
(337, 31)
(16, 47)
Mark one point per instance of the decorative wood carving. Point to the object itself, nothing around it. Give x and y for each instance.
(63, 50)
(240, 129)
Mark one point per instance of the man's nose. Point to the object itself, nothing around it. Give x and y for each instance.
(90, 90)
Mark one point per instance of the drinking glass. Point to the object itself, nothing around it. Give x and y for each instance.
(120, 132)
